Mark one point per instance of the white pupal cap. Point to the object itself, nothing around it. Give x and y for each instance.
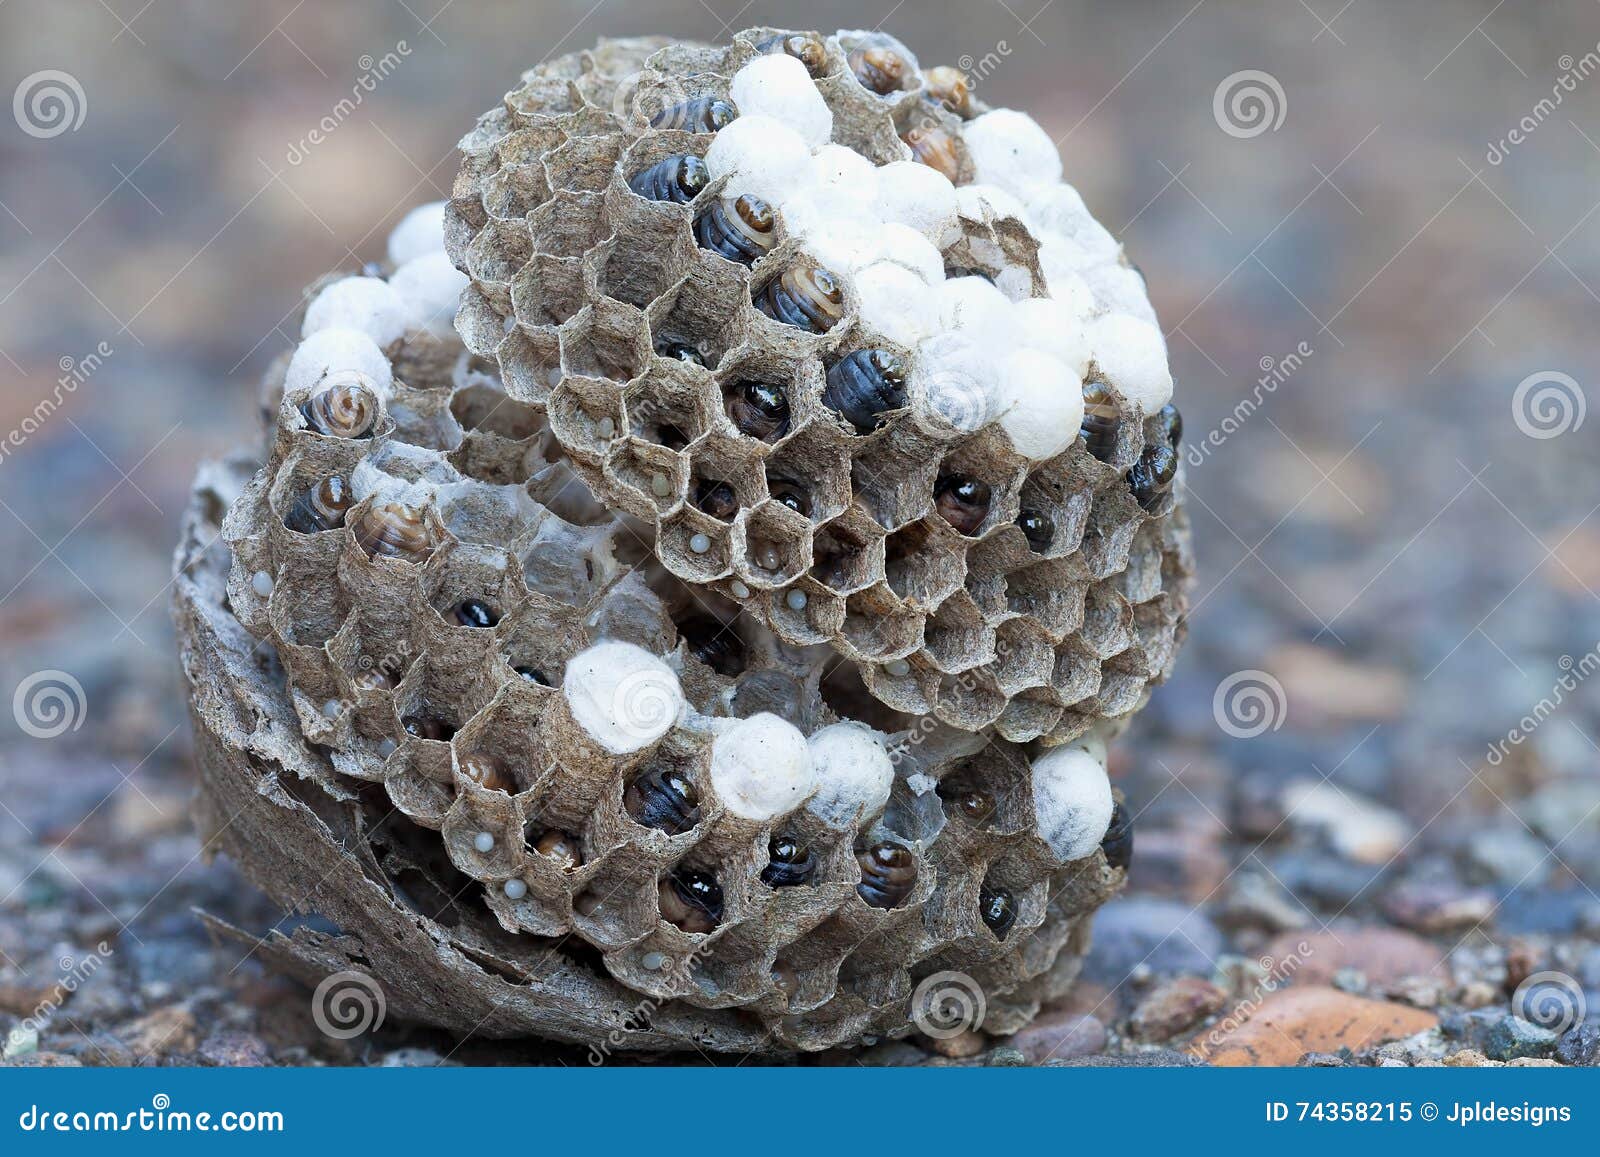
(761, 155)
(778, 86)
(1119, 289)
(987, 203)
(896, 303)
(431, 288)
(838, 244)
(1041, 403)
(761, 768)
(1070, 289)
(1132, 355)
(623, 697)
(1072, 800)
(906, 247)
(854, 774)
(339, 350)
(1056, 327)
(917, 195)
(1009, 149)
(974, 306)
(1059, 210)
(368, 304)
(852, 179)
(954, 378)
(419, 233)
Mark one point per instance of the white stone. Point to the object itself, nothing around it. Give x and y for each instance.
(1072, 799)
(431, 288)
(1010, 150)
(761, 768)
(1132, 355)
(763, 156)
(777, 85)
(918, 196)
(896, 303)
(419, 233)
(1041, 403)
(368, 304)
(336, 351)
(854, 774)
(1043, 323)
(622, 696)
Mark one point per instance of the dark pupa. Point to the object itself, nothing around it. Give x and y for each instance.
(1100, 421)
(948, 86)
(936, 148)
(1118, 844)
(678, 178)
(972, 804)
(880, 70)
(691, 899)
(888, 873)
(717, 646)
(488, 772)
(962, 502)
(806, 47)
(701, 114)
(662, 798)
(997, 910)
(742, 228)
(475, 613)
(342, 409)
(395, 530)
(1152, 475)
(805, 296)
(789, 494)
(717, 499)
(322, 507)
(789, 863)
(679, 350)
(864, 386)
(562, 847)
(759, 409)
(1170, 423)
(1038, 528)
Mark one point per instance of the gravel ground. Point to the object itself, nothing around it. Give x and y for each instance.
(1399, 559)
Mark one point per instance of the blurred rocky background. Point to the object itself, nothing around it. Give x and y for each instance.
(1369, 801)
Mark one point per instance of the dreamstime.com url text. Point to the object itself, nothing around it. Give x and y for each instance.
(160, 1117)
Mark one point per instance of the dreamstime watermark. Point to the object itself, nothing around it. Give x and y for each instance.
(48, 704)
(373, 72)
(1249, 703)
(347, 1004)
(948, 1004)
(75, 974)
(1551, 1000)
(1275, 974)
(1248, 103)
(927, 723)
(1274, 373)
(1548, 404)
(981, 68)
(639, 1017)
(1574, 672)
(1572, 71)
(74, 373)
(48, 103)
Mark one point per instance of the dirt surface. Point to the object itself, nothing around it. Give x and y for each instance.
(1399, 553)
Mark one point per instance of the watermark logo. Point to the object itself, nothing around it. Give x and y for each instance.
(48, 704)
(1551, 1000)
(1249, 703)
(1248, 103)
(645, 703)
(948, 1004)
(1548, 404)
(48, 103)
(347, 1004)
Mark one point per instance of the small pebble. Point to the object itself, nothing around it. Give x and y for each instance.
(515, 889)
(261, 583)
(661, 485)
(898, 668)
(484, 842)
(653, 960)
(796, 599)
(738, 590)
(700, 543)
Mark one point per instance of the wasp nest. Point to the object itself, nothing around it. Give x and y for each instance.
(730, 622)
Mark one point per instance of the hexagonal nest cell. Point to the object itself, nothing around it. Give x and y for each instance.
(705, 626)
